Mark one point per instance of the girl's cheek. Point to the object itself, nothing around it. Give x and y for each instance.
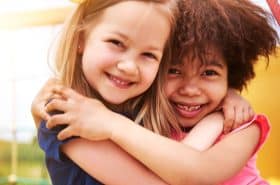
(169, 88)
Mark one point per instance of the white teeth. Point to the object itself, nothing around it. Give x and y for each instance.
(189, 108)
(118, 81)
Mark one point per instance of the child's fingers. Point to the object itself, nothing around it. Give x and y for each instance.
(251, 113)
(56, 105)
(243, 115)
(59, 90)
(44, 114)
(65, 133)
(240, 116)
(40, 114)
(46, 92)
(247, 115)
(228, 124)
(57, 119)
(54, 96)
(229, 115)
(65, 92)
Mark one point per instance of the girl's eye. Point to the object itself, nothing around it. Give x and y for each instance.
(209, 73)
(116, 42)
(150, 55)
(174, 71)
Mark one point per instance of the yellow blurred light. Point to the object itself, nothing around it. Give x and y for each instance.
(18, 13)
(274, 181)
(78, 1)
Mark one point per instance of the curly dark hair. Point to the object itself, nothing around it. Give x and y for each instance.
(239, 29)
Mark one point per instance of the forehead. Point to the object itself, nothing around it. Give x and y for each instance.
(143, 19)
(203, 56)
(142, 10)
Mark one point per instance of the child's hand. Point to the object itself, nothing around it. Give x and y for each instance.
(38, 104)
(84, 117)
(236, 110)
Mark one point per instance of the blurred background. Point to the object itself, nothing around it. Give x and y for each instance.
(27, 30)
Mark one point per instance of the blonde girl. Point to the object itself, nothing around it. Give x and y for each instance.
(112, 50)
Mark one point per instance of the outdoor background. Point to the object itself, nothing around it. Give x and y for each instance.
(27, 30)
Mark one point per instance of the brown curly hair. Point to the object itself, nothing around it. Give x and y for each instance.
(239, 29)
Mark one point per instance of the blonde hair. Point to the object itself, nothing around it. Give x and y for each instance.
(156, 112)
(68, 64)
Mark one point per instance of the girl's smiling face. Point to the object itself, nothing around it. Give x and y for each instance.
(196, 88)
(123, 49)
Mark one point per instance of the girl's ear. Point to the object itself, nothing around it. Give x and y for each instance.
(81, 43)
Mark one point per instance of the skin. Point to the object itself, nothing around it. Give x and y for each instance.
(134, 138)
(217, 157)
(116, 59)
(174, 168)
(130, 53)
(194, 90)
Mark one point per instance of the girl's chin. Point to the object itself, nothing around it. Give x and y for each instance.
(189, 122)
(113, 101)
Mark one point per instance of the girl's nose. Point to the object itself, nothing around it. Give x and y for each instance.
(128, 66)
(189, 89)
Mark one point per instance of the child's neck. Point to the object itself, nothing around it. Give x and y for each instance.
(186, 129)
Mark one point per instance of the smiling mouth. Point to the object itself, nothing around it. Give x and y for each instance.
(188, 111)
(188, 108)
(121, 83)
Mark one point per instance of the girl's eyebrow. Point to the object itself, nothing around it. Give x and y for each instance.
(216, 63)
(126, 38)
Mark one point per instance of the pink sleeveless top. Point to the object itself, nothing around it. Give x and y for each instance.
(250, 175)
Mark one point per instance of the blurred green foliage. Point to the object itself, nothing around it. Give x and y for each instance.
(31, 168)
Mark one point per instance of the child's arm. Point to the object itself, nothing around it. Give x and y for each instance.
(38, 104)
(108, 163)
(206, 132)
(103, 160)
(172, 161)
(194, 164)
(236, 109)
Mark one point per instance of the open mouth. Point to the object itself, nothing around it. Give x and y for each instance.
(119, 82)
(187, 110)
